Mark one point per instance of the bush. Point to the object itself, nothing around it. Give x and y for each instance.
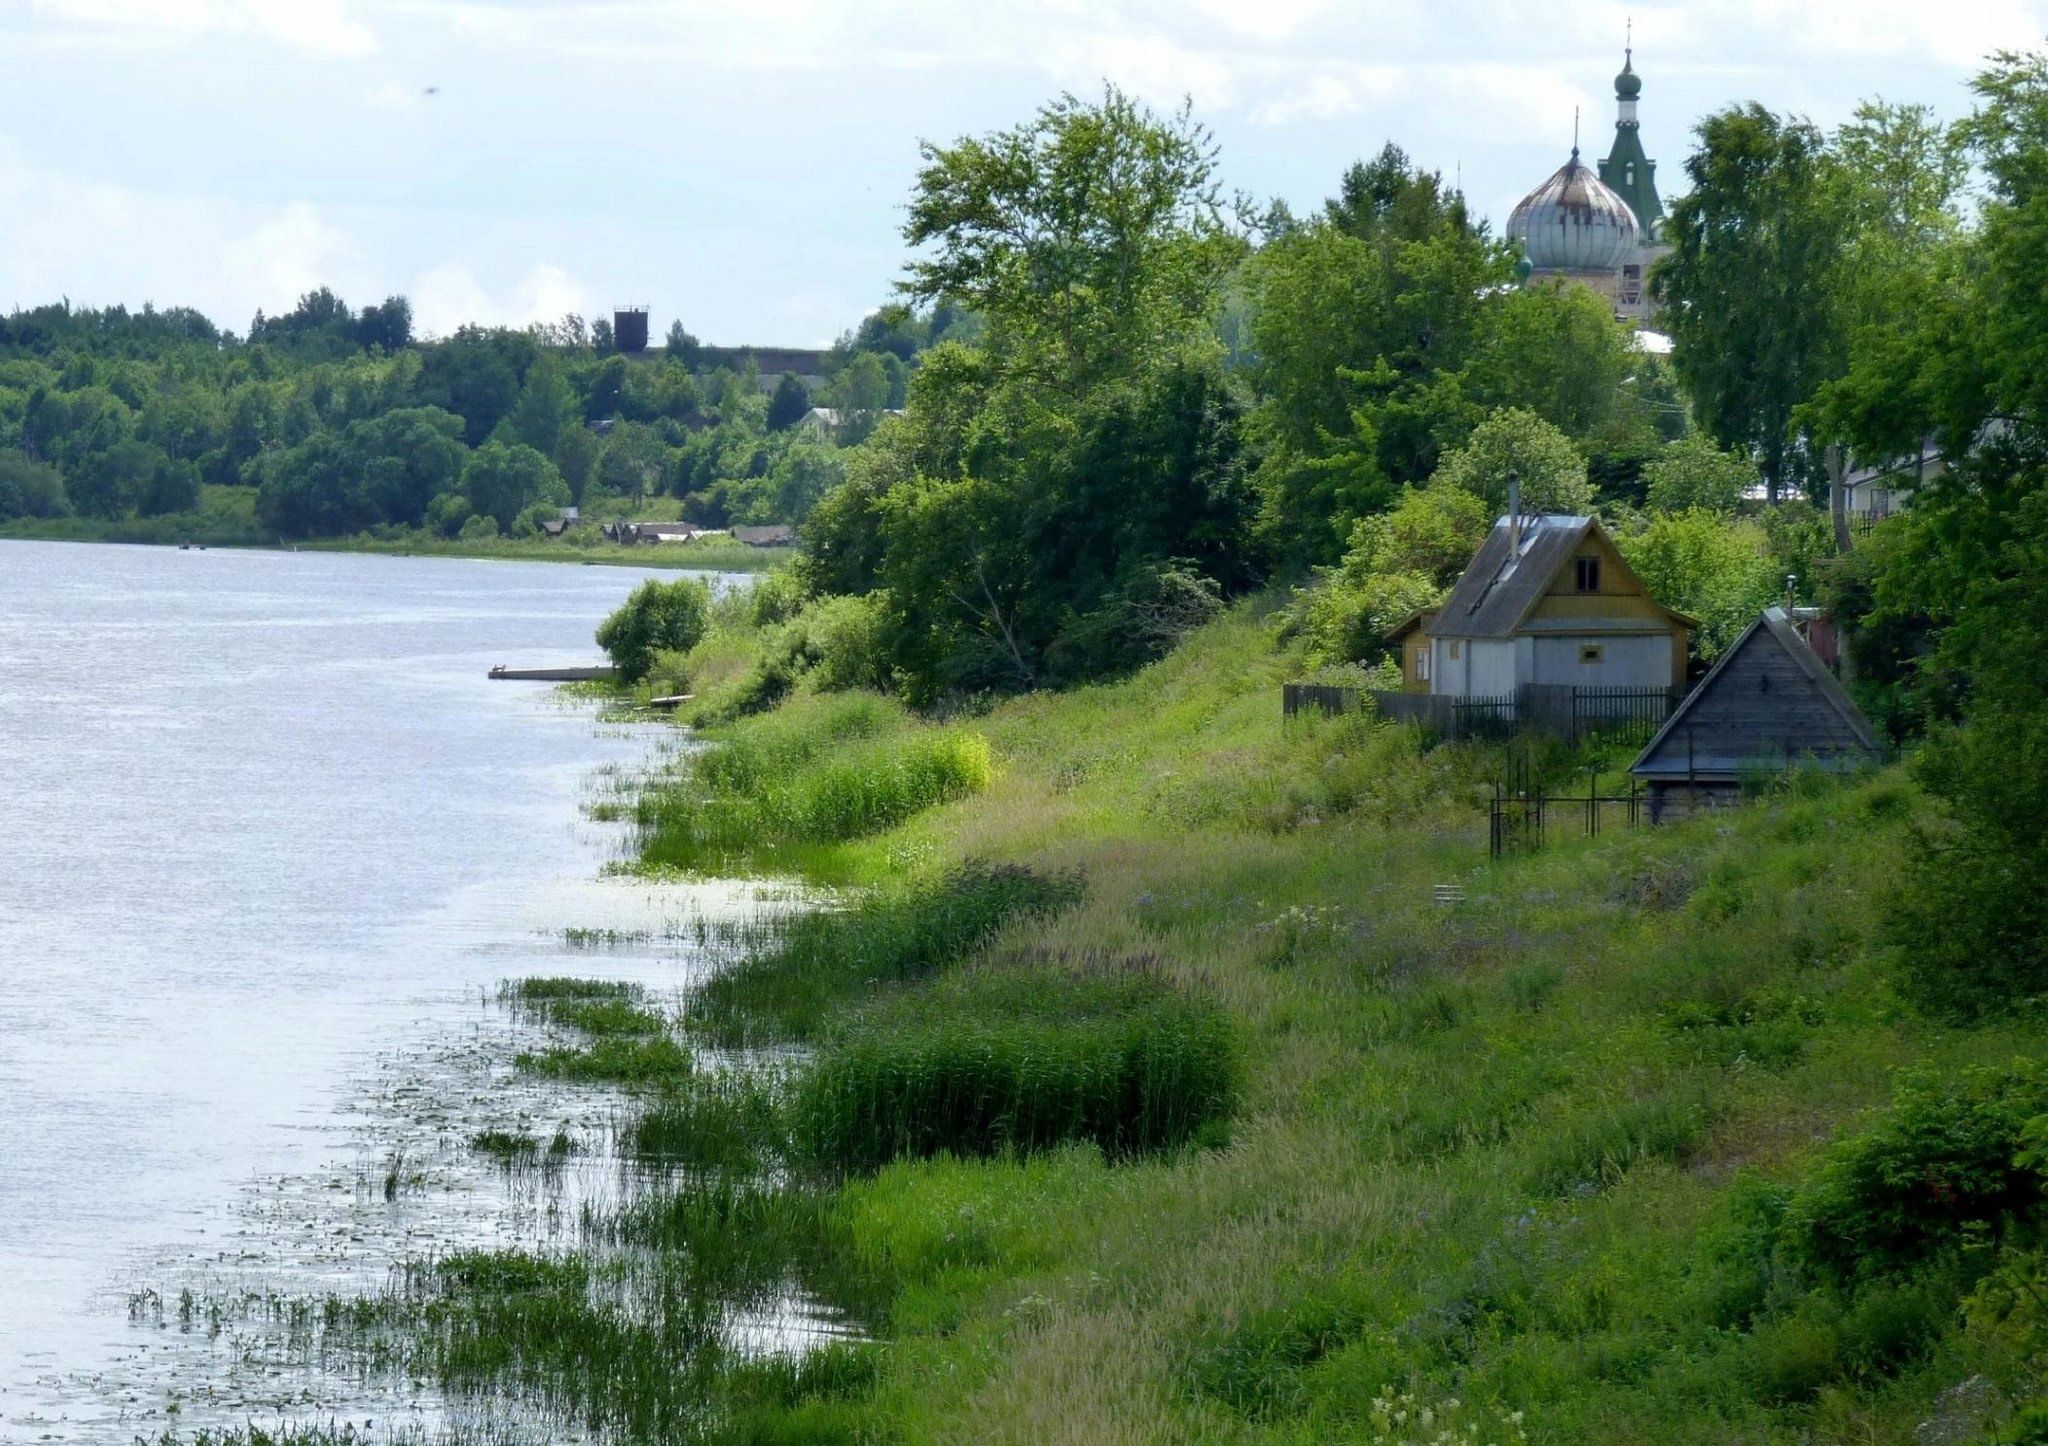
(1940, 1159)
(1019, 1061)
(845, 635)
(668, 616)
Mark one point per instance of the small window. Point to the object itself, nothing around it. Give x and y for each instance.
(1422, 665)
(1454, 650)
(1589, 574)
(1589, 653)
(1628, 174)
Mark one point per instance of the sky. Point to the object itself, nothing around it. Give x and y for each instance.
(743, 165)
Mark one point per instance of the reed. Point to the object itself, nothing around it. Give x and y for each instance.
(636, 1061)
(719, 1122)
(1014, 1062)
(822, 771)
(788, 985)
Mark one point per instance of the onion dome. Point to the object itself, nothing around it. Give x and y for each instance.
(1628, 85)
(1573, 222)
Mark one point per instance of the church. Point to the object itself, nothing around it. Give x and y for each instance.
(1601, 230)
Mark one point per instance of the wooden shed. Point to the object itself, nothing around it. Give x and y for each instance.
(1769, 704)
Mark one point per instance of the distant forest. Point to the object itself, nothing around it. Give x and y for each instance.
(337, 421)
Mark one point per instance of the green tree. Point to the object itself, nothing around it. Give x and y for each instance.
(546, 405)
(1517, 442)
(1090, 236)
(29, 488)
(112, 482)
(503, 479)
(1693, 473)
(1715, 568)
(860, 393)
(657, 617)
(790, 404)
(1753, 290)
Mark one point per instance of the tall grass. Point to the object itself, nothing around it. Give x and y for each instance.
(823, 771)
(792, 981)
(1004, 1061)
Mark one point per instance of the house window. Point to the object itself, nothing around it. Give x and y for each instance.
(1589, 652)
(1589, 574)
(1454, 650)
(1422, 665)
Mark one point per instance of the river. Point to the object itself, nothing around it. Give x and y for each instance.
(270, 839)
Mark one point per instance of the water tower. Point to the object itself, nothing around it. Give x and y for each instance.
(629, 329)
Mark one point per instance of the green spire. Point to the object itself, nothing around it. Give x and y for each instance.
(1627, 171)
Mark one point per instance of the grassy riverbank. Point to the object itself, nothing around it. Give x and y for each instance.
(710, 555)
(1150, 1096)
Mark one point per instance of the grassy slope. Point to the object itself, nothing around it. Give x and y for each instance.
(1484, 1151)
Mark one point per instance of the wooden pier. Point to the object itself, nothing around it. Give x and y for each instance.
(602, 674)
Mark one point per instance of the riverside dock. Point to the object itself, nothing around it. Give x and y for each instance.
(602, 674)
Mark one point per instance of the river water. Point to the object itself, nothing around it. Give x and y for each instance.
(268, 841)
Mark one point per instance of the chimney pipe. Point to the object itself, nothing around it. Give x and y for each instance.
(1515, 510)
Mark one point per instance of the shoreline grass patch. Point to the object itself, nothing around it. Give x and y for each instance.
(1013, 1061)
(820, 771)
(786, 988)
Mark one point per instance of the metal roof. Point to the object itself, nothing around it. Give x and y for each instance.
(1503, 582)
(1574, 222)
(1824, 684)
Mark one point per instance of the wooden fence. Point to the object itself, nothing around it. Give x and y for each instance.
(1563, 711)
(1317, 698)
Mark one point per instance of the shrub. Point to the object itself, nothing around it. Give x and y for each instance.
(1019, 1061)
(845, 635)
(658, 616)
(1941, 1158)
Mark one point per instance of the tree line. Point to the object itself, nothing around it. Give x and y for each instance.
(340, 421)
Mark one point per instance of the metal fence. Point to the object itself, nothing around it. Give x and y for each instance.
(1525, 817)
(1562, 711)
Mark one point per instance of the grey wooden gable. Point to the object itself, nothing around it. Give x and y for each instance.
(1767, 702)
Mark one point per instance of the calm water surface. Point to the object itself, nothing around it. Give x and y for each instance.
(261, 817)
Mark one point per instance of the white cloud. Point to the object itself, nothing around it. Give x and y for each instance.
(1149, 66)
(450, 296)
(1328, 95)
(1960, 32)
(322, 27)
(294, 252)
(393, 97)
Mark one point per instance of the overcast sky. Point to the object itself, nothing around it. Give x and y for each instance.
(743, 166)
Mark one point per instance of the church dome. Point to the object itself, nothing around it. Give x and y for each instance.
(1572, 222)
(1628, 85)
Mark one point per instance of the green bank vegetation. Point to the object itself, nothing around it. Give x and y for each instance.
(1141, 1088)
(1150, 1095)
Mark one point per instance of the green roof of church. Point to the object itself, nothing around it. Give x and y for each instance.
(1627, 171)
